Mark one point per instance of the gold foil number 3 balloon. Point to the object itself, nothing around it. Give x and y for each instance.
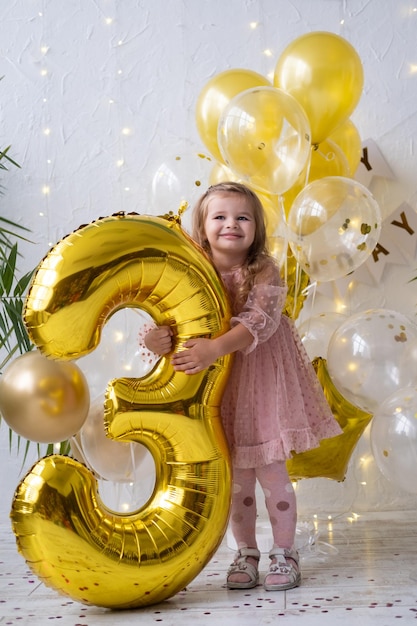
(68, 537)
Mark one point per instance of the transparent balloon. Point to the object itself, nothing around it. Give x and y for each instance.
(333, 226)
(316, 332)
(112, 460)
(264, 137)
(179, 179)
(119, 352)
(394, 438)
(369, 359)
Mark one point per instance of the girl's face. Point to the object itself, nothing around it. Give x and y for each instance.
(229, 227)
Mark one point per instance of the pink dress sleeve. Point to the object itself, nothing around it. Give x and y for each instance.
(262, 313)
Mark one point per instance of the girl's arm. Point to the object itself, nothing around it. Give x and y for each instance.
(199, 353)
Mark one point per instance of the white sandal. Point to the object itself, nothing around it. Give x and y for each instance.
(286, 564)
(241, 566)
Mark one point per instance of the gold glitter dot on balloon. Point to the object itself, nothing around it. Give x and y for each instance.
(365, 229)
(385, 453)
(402, 337)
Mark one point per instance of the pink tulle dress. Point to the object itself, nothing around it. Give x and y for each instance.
(273, 404)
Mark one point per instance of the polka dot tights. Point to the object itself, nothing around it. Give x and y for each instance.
(280, 503)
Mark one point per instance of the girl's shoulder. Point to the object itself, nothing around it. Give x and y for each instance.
(268, 272)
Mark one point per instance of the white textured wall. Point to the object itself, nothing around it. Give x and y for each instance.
(97, 94)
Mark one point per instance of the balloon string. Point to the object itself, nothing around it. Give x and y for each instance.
(297, 283)
(133, 459)
(313, 147)
(283, 222)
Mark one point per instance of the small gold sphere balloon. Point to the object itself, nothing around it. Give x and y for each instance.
(43, 400)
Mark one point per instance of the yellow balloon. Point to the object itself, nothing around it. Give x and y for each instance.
(326, 159)
(43, 400)
(215, 96)
(220, 173)
(324, 74)
(264, 137)
(347, 137)
(331, 458)
(67, 536)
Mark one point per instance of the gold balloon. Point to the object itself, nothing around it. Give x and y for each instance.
(327, 159)
(43, 400)
(347, 137)
(67, 536)
(331, 458)
(324, 74)
(215, 96)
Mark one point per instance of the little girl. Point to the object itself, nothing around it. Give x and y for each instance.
(273, 404)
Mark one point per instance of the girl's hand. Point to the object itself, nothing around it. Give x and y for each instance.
(197, 356)
(159, 340)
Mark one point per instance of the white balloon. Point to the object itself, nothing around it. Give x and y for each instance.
(394, 438)
(119, 353)
(316, 332)
(333, 226)
(368, 356)
(112, 460)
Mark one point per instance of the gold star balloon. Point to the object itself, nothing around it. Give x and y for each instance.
(331, 458)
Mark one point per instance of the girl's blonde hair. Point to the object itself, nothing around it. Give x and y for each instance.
(258, 257)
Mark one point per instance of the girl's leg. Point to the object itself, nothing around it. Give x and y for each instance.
(280, 502)
(243, 517)
(282, 511)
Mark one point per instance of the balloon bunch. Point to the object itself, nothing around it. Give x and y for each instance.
(293, 141)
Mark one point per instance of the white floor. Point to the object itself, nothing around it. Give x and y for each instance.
(356, 570)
